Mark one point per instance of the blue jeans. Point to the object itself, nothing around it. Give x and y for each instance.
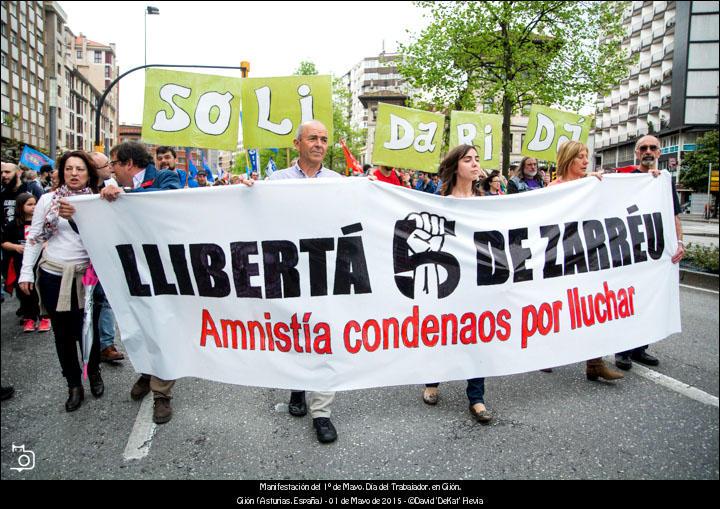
(475, 390)
(106, 318)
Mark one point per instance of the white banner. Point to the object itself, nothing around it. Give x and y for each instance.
(346, 283)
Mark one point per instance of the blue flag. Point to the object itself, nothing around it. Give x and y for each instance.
(270, 168)
(31, 158)
(210, 176)
(254, 163)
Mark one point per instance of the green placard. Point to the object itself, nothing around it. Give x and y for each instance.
(408, 138)
(549, 128)
(483, 130)
(191, 110)
(273, 108)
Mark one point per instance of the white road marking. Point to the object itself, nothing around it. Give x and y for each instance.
(675, 385)
(141, 436)
(701, 289)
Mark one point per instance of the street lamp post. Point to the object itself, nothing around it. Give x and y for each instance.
(149, 10)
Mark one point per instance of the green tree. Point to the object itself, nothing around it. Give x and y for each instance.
(342, 129)
(508, 55)
(694, 172)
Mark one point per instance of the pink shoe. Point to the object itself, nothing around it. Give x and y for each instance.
(44, 325)
(29, 325)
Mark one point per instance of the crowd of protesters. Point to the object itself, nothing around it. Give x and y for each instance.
(45, 262)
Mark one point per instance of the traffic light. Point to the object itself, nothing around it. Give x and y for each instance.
(714, 181)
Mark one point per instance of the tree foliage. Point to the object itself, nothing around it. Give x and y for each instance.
(508, 55)
(695, 165)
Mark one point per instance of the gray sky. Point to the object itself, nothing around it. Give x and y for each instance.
(273, 36)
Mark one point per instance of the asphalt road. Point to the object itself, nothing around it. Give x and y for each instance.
(548, 426)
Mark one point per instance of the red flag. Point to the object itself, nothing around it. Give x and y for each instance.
(350, 160)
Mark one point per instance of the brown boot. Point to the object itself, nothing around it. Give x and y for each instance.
(596, 368)
(162, 411)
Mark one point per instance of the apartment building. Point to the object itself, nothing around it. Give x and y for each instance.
(672, 91)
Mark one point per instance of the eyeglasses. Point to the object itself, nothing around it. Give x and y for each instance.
(112, 163)
(652, 148)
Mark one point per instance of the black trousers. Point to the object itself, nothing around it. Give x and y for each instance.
(67, 328)
(29, 304)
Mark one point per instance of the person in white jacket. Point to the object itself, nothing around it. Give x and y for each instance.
(62, 265)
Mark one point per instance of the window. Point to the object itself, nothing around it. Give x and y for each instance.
(701, 111)
(702, 83)
(703, 56)
(98, 57)
(705, 6)
(107, 71)
(79, 54)
(704, 28)
(4, 60)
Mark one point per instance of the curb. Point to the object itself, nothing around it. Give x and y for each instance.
(700, 279)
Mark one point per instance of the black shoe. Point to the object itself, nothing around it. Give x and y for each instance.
(297, 406)
(326, 432)
(97, 387)
(6, 392)
(623, 362)
(76, 395)
(645, 358)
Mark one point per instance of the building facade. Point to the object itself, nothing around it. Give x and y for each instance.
(371, 81)
(23, 79)
(672, 92)
(51, 80)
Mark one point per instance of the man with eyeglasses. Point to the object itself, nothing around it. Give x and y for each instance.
(135, 172)
(647, 152)
(311, 141)
(103, 317)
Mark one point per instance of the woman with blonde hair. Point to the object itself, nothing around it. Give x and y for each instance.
(572, 163)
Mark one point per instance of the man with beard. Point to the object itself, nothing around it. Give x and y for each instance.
(167, 159)
(647, 151)
(528, 178)
(12, 186)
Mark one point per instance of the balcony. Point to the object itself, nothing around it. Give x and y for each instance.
(655, 105)
(644, 88)
(624, 95)
(657, 57)
(637, 5)
(658, 32)
(670, 24)
(635, 47)
(632, 110)
(623, 137)
(667, 75)
(614, 120)
(645, 64)
(646, 42)
(643, 109)
(647, 17)
(668, 50)
(623, 117)
(659, 7)
(642, 131)
(615, 100)
(613, 140)
(635, 69)
(655, 83)
(636, 27)
(666, 100)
